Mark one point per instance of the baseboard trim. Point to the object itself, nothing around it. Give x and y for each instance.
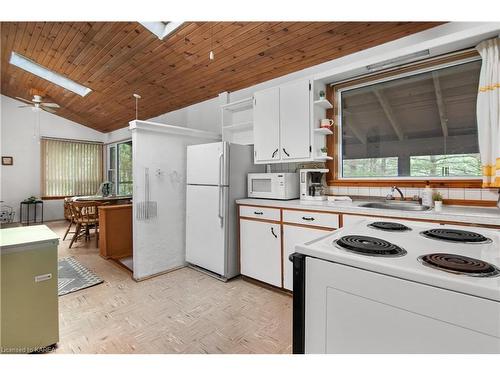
(139, 279)
(207, 272)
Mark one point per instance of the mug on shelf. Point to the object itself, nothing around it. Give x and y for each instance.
(326, 123)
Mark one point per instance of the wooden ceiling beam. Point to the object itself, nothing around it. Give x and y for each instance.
(384, 103)
(443, 118)
(355, 130)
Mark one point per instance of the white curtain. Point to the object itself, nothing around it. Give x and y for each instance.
(70, 167)
(488, 111)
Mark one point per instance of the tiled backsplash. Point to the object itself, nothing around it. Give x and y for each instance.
(467, 194)
(464, 194)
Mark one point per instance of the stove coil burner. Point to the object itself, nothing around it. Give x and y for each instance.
(459, 264)
(371, 246)
(389, 226)
(455, 235)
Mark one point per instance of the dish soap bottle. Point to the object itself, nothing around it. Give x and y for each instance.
(427, 195)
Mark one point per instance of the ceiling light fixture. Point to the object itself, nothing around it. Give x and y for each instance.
(211, 55)
(398, 61)
(137, 97)
(162, 29)
(32, 67)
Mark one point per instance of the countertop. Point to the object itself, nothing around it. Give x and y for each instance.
(462, 214)
(24, 238)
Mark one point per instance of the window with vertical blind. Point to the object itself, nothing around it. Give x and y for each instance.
(70, 167)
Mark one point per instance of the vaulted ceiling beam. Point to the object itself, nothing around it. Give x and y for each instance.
(440, 103)
(354, 128)
(384, 103)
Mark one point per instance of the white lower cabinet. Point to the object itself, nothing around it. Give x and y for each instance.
(293, 235)
(260, 251)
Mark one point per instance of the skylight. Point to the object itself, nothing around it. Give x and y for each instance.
(161, 28)
(32, 67)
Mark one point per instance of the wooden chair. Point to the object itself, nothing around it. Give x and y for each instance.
(85, 216)
(68, 215)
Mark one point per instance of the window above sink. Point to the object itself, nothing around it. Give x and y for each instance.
(412, 123)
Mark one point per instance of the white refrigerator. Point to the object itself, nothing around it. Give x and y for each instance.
(216, 177)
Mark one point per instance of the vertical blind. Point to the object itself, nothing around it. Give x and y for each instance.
(70, 167)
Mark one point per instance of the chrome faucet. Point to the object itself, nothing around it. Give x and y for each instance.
(390, 196)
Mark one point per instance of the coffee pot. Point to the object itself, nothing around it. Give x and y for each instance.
(313, 184)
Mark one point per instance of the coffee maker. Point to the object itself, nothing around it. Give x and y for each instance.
(313, 184)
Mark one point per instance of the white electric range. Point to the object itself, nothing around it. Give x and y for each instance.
(398, 287)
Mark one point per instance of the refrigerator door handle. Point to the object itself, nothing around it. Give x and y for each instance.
(221, 167)
(221, 205)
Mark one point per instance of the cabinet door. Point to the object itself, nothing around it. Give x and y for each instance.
(260, 249)
(293, 235)
(266, 129)
(295, 121)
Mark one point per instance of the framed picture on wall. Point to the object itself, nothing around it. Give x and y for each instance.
(7, 160)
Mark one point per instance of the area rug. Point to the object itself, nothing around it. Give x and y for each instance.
(74, 276)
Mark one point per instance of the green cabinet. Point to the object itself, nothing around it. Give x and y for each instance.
(29, 299)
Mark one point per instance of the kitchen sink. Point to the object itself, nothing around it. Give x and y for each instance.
(401, 206)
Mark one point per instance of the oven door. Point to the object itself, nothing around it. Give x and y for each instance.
(350, 310)
(298, 318)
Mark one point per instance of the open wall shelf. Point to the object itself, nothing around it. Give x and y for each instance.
(323, 131)
(323, 103)
(237, 121)
(239, 105)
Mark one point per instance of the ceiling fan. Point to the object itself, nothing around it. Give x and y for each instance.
(37, 103)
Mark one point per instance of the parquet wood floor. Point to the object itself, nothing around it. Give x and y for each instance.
(184, 311)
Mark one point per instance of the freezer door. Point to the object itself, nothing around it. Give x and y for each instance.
(207, 164)
(206, 222)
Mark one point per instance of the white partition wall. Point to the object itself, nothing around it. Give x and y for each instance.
(159, 242)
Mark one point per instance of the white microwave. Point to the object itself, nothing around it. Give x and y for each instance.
(273, 185)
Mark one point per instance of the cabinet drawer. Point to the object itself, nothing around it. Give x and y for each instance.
(260, 212)
(315, 219)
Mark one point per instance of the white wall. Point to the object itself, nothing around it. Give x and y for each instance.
(22, 180)
(118, 135)
(203, 116)
(159, 243)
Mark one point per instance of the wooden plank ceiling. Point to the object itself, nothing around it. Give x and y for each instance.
(116, 59)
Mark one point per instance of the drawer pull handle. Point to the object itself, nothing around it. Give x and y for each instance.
(307, 218)
(274, 153)
(286, 153)
(258, 213)
(274, 234)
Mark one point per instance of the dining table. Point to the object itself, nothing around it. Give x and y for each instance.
(100, 198)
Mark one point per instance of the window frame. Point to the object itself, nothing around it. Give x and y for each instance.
(334, 143)
(116, 166)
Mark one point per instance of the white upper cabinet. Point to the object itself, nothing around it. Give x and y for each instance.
(294, 121)
(282, 118)
(266, 131)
